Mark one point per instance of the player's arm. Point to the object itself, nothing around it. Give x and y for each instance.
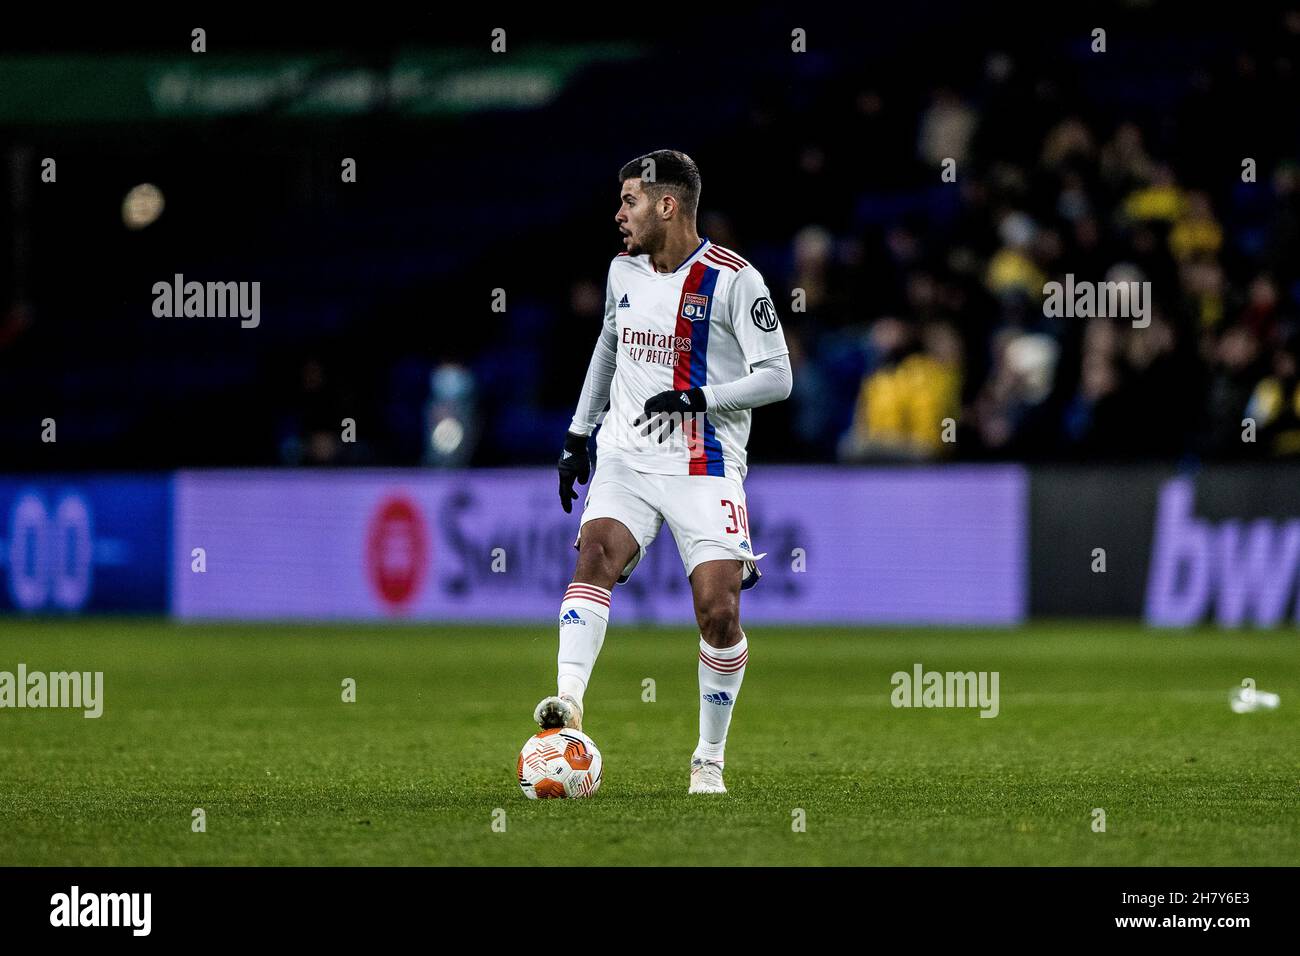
(769, 380)
(595, 387)
(575, 464)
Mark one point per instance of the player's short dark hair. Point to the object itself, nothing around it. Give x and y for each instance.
(674, 172)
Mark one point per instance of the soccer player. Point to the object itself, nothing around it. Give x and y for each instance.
(691, 343)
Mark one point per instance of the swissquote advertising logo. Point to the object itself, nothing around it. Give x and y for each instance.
(397, 551)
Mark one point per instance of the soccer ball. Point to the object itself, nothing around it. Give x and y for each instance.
(560, 762)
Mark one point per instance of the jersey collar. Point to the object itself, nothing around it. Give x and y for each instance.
(699, 251)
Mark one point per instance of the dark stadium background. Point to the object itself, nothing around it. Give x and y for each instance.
(820, 167)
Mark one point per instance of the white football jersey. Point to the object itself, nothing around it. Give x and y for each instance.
(704, 324)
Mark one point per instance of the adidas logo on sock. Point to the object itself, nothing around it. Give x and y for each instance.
(571, 617)
(721, 697)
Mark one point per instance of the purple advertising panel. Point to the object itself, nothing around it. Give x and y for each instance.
(856, 546)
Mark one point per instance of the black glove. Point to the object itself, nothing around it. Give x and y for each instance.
(670, 407)
(574, 463)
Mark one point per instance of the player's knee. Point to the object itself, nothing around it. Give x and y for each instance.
(719, 620)
(597, 562)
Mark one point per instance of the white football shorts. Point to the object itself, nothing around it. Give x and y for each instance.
(706, 514)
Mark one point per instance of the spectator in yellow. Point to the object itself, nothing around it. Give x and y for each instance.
(1161, 200)
(1197, 231)
(902, 404)
(1275, 407)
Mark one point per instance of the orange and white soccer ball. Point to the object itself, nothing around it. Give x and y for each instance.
(560, 762)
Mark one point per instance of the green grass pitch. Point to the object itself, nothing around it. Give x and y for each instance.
(247, 723)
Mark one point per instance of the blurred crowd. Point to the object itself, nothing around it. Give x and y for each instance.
(910, 248)
(909, 208)
(928, 336)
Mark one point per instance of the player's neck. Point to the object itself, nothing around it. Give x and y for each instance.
(675, 251)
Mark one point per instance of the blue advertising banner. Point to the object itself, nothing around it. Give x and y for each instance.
(77, 544)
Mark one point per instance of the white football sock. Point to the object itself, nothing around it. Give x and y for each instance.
(584, 615)
(722, 669)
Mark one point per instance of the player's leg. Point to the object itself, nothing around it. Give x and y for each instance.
(605, 548)
(618, 523)
(708, 519)
(715, 586)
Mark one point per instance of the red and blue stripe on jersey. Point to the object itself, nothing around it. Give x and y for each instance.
(705, 450)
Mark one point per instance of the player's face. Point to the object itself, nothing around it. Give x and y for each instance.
(638, 220)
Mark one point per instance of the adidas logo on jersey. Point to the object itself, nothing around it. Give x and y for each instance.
(721, 697)
(572, 617)
(623, 303)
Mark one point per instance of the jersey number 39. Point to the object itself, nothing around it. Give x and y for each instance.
(736, 517)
